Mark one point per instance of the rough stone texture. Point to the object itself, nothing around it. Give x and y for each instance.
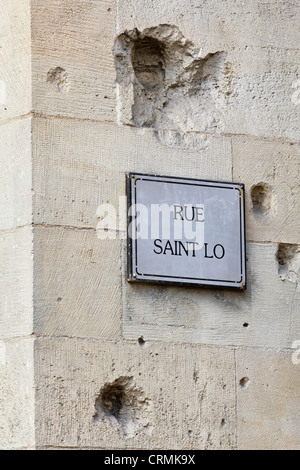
(166, 83)
(17, 397)
(274, 166)
(126, 407)
(268, 410)
(81, 176)
(261, 316)
(16, 282)
(15, 58)
(199, 89)
(77, 280)
(73, 63)
(16, 174)
(17, 404)
(288, 257)
(234, 22)
(257, 38)
(190, 393)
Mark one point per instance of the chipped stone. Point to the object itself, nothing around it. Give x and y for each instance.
(170, 84)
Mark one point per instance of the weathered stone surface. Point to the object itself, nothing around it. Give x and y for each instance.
(81, 176)
(198, 88)
(16, 282)
(17, 399)
(183, 397)
(268, 407)
(294, 329)
(73, 63)
(77, 280)
(253, 90)
(271, 172)
(16, 174)
(15, 58)
(235, 23)
(218, 316)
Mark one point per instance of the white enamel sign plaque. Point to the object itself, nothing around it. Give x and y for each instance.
(186, 231)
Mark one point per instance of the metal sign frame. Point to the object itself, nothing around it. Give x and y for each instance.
(132, 244)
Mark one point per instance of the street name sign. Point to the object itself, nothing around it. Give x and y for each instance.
(186, 231)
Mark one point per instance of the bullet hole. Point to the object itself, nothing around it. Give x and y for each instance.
(59, 78)
(125, 407)
(165, 83)
(148, 62)
(142, 342)
(244, 383)
(262, 199)
(245, 325)
(59, 300)
(288, 258)
(112, 399)
(223, 423)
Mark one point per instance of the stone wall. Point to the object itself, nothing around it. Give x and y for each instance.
(91, 90)
(17, 407)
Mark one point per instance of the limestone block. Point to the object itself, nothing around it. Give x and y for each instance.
(17, 418)
(73, 63)
(134, 396)
(77, 284)
(215, 316)
(79, 165)
(16, 174)
(237, 23)
(271, 172)
(16, 282)
(294, 329)
(267, 400)
(15, 58)
(221, 68)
